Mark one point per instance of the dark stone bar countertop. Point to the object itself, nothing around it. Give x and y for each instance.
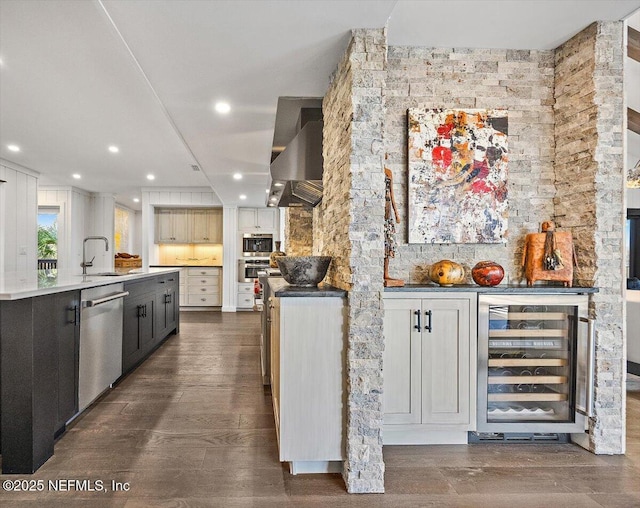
(282, 289)
(500, 289)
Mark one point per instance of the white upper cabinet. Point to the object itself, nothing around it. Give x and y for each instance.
(257, 219)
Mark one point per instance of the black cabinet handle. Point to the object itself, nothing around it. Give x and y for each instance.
(417, 326)
(139, 313)
(76, 315)
(145, 310)
(161, 281)
(171, 280)
(428, 326)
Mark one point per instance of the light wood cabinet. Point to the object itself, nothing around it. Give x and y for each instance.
(429, 367)
(172, 225)
(257, 219)
(206, 226)
(188, 225)
(307, 342)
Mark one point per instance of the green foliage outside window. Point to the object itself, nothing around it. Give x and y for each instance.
(47, 242)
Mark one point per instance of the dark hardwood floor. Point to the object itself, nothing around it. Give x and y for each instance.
(193, 427)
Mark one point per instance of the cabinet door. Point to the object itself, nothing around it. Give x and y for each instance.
(206, 226)
(137, 333)
(445, 361)
(164, 226)
(274, 304)
(67, 308)
(246, 218)
(402, 360)
(266, 219)
(181, 226)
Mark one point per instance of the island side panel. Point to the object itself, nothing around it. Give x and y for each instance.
(29, 378)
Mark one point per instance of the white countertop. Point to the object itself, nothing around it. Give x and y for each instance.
(17, 285)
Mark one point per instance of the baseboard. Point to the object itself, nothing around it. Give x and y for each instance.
(228, 308)
(423, 437)
(315, 466)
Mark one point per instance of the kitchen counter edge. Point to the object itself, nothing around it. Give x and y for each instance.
(511, 288)
(26, 285)
(282, 289)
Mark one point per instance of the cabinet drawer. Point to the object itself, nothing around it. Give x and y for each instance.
(203, 290)
(203, 300)
(246, 289)
(203, 281)
(203, 271)
(245, 301)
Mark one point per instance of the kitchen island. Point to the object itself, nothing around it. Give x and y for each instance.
(47, 343)
(308, 347)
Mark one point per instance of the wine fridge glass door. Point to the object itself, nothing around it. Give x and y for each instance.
(529, 368)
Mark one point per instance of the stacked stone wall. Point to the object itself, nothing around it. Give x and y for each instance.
(516, 80)
(298, 231)
(590, 202)
(352, 214)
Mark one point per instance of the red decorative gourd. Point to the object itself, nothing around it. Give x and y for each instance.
(487, 273)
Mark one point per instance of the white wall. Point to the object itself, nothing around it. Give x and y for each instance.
(18, 218)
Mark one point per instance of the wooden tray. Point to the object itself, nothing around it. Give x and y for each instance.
(526, 397)
(528, 362)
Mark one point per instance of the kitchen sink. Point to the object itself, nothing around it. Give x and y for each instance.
(108, 274)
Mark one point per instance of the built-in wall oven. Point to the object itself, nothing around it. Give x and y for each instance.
(257, 244)
(535, 363)
(248, 268)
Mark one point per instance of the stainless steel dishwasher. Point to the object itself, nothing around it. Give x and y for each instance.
(100, 341)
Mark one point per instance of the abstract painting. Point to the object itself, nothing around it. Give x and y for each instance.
(458, 175)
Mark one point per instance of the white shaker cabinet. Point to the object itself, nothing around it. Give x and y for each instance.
(429, 367)
(258, 219)
(307, 342)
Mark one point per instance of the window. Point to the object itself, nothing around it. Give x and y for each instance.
(47, 237)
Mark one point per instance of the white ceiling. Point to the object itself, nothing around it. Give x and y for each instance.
(77, 76)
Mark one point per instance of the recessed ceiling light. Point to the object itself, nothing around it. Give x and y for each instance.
(271, 204)
(136, 200)
(278, 184)
(114, 149)
(267, 191)
(13, 148)
(77, 176)
(151, 177)
(237, 176)
(223, 107)
(273, 199)
(243, 196)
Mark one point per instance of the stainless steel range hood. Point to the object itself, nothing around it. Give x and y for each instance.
(296, 173)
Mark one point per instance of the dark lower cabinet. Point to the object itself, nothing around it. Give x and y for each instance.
(39, 368)
(166, 305)
(151, 313)
(138, 329)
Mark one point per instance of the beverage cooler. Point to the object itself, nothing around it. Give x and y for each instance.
(535, 363)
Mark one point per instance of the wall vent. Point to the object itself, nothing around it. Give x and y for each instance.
(195, 167)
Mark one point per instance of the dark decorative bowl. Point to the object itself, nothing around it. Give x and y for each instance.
(303, 271)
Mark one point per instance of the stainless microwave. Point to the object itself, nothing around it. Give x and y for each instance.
(257, 244)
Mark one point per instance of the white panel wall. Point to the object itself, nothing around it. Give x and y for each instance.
(102, 224)
(18, 218)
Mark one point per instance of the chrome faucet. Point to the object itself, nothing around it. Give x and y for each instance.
(85, 264)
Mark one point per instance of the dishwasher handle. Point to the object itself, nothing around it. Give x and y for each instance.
(104, 299)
